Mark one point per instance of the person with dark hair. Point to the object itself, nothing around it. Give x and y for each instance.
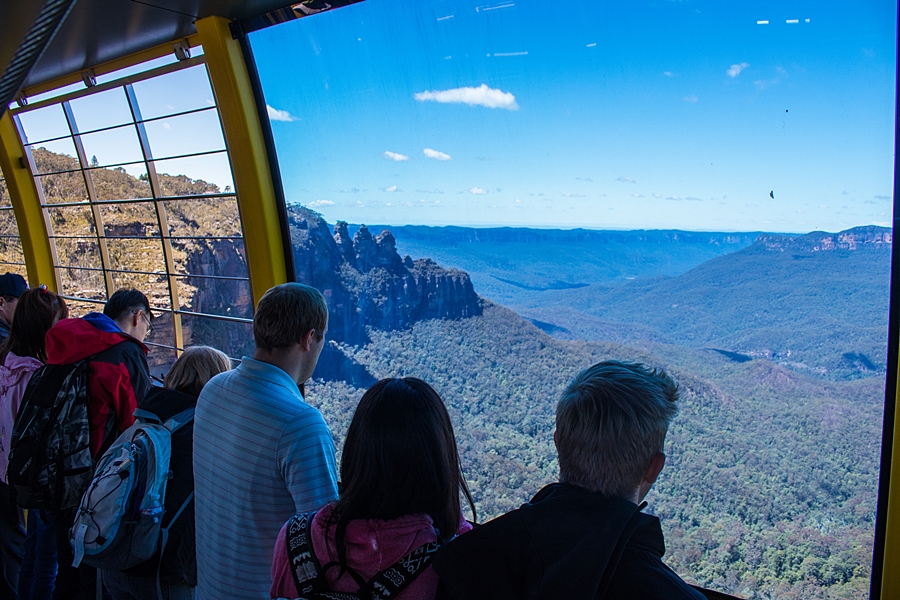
(113, 343)
(584, 537)
(177, 566)
(261, 453)
(21, 355)
(401, 483)
(12, 286)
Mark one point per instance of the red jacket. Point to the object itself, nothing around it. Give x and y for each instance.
(119, 375)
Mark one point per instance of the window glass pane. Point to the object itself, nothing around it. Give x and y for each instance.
(220, 257)
(59, 155)
(206, 174)
(44, 123)
(83, 284)
(206, 217)
(155, 286)
(122, 183)
(71, 221)
(11, 252)
(112, 147)
(139, 68)
(137, 254)
(79, 308)
(233, 338)
(185, 134)
(63, 187)
(224, 297)
(132, 219)
(161, 357)
(79, 252)
(103, 109)
(720, 209)
(176, 92)
(4, 194)
(62, 91)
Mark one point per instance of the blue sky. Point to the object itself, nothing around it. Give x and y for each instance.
(666, 114)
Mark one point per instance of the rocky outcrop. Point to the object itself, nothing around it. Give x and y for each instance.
(869, 237)
(367, 284)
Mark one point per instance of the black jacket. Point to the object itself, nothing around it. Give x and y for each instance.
(180, 558)
(565, 543)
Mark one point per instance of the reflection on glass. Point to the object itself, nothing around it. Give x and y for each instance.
(44, 123)
(194, 175)
(224, 297)
(206, 217)
(112, 147)
(176, 92)
(79, 252)
(233, 338)
(78, 308)
(71, 221)
(63, 187)
(155, 286)
(82, 283)
(224, 258)
(136, 254)
(185, 134)
(11, 251)
(131, 219)
(100, 110)
(58, 155)
(126, 182)
(4, 194)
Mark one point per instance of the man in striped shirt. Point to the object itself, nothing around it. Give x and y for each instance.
(261, 454)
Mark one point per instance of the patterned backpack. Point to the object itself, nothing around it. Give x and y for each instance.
(50, 462)
(309, 576)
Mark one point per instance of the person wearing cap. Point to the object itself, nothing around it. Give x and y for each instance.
(119, 379)
(12, 286)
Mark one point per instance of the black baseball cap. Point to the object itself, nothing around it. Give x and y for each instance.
(12, 284)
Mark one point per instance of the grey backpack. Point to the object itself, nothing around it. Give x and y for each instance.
(119, 521)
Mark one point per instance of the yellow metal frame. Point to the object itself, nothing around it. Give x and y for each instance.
(27, 207)
(247, 151)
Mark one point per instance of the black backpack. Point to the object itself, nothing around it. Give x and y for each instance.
(309, 576)
(50, 463)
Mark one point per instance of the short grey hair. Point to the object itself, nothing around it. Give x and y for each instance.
(611, 421)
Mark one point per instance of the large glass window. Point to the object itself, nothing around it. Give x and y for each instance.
(136, 185)
(12, 259)
(696, 185)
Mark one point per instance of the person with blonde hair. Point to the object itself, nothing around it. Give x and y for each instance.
(177, 567)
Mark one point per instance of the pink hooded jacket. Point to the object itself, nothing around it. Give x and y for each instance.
(14, 376)
(373, 545)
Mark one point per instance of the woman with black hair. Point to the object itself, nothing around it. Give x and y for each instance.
(400, 495)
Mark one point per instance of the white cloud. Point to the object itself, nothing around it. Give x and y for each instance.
(655, 195)
(395, 156)
(518, 201)
(691, 98)
(477, 190)
(667, 73)
(280, 115)
(735, 70)
(573, 195)
(319, 203)
(480, 96)
(626, 180)
(392, 188)
(436, 155)
(638, 195)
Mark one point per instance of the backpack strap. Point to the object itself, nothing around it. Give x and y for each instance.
(179, 420)
(395, 578)
(304, 565)
(145, 416)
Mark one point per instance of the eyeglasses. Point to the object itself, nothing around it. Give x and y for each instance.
(146, 318)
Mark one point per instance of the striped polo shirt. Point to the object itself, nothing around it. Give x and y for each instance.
(261, 454)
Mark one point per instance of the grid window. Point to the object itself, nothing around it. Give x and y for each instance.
(137, 190)
(11, 256)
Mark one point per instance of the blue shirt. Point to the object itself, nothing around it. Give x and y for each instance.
(261, 454)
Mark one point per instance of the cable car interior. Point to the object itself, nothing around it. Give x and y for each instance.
(492, 195)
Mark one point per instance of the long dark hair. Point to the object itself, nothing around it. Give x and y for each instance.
(38, 309)
(400, 458)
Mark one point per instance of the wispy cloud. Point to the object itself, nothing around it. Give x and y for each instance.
(680, 199)
(350, 191)
(638, 195)
(882, 197)
(668, 73)
(280, 115)
(473, 96)
(392, 188)
(655, 195)
(735, 70)
(436, 155)
(395, 156)
(588, 179)
(319, 203)
(477, 191)
(518, 201)
(691, 98)
(434, 191)
(574, 195)
(626, 180)
(591, 45)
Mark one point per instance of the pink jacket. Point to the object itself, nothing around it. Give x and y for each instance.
(14, 376)
(373, 545)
